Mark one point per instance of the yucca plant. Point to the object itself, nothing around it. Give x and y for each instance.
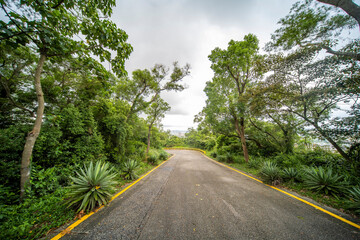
(128, 169)
(354, 202)
(93, 186)
(270, 173)
(290, 174)
(323, 180)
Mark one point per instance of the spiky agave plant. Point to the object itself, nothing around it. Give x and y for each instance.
(324, 181)
(270, 173)
(93, 186)
(129, 168)
(290, 174)
(354, 202)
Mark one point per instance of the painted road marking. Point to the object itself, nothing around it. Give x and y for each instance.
(83, 218)
(291, 195)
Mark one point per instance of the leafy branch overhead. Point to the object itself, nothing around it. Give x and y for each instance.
(311, 24)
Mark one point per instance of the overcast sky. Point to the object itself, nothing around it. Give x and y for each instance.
(164, 31)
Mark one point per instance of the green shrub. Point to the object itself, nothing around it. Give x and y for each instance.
(34, 217)
(92, 186)
(253, 163)
(153, 156)
(163, 155)
(128, 169)
(287, 160)
(290, 174)
(213, 154)
(238, 159)
(324, 180)
(221, 158)
(229, 157)
(270, 173)
(354, 202)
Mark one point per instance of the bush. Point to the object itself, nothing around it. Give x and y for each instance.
(92, 186)
(153, 156)
(221, 158)
(290, 174)
(270, 173)
(163, 155)
(128, 169)
(254, 163)
(354, 202)
(324, 180)
(287, 160)
(213, 154)
(35, 217)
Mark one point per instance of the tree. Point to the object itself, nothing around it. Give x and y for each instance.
(146, 85)
(311, 24)
(236, 69)
(51, 28)
(310, 92)
(156, 111)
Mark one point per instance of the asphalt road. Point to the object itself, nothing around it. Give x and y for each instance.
(191, 197)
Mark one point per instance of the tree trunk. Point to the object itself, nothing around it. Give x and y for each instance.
(32, 136)
(148, 142)
(240, 129)
(288, 139)
(332, 142)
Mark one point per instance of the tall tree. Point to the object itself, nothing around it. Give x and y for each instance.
(236, 68)
(312, 24)
(52, 28)
(310, 92)
(156, 111)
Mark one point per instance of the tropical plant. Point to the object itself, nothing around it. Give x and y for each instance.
(270, 173)
(324, 180)
(163, 155)
(153, 156)
(253, 163)
(290, 174)
(354, 202)
(128, 169)
(92, 187)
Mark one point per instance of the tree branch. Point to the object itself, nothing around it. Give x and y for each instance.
(8, 95)
(348, 6)
(352, 55)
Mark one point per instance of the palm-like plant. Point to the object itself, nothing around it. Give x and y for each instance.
(324, 180)
(270, 173)
(129, 168)
(93, 186)
(354, 202)
(290, 174)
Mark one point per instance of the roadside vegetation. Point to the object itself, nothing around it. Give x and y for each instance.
(73, 132)
(291, 115)
(70, 129)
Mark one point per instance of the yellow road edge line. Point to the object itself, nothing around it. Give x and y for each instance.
(83, 218)
(291, 195)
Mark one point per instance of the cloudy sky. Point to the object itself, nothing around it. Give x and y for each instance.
(164, 31)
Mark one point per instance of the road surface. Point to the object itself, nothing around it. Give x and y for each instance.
(192, 197)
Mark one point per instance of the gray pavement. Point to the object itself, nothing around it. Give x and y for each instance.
(191, 197)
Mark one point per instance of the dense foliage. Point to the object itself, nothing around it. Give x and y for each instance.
(61, 109)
